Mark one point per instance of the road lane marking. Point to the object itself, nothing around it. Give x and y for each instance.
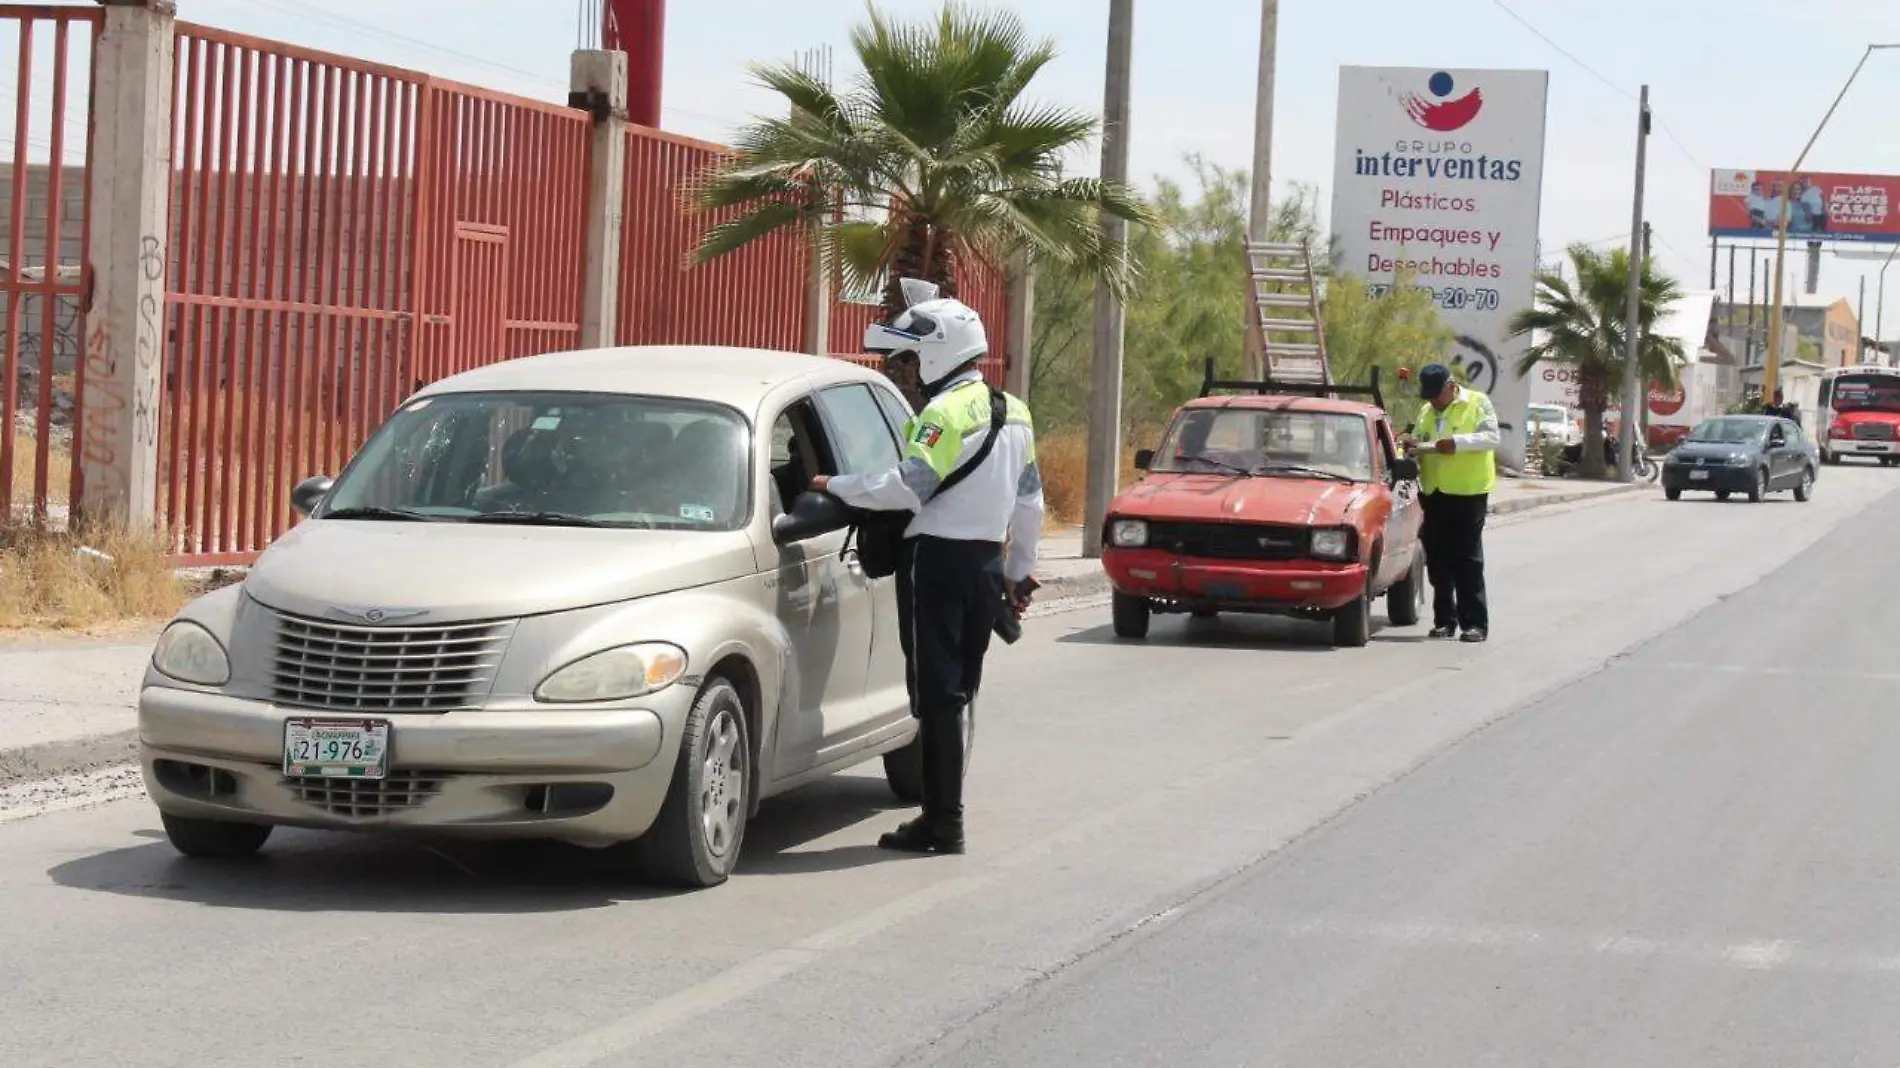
(1784, 672)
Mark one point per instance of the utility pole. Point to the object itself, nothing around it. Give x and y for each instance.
(1105, 391)
(1260, 214)
(1632, 321)
(1860, 323)
(1880, 301)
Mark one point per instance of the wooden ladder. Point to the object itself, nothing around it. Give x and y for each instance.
(1286, 324)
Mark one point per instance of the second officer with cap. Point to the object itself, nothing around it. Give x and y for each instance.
(1456, 439)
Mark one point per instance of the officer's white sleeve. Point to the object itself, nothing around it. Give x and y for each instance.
(898, 489)
(1025, 525)
(1487, 437)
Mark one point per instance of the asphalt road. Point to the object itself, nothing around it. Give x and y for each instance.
(1647, 824)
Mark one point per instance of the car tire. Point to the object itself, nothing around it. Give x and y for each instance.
(1672, 493)
(1804, 489)
(1722, 495)
(1131, 616)
(904, 768)
(1352, 624)
(1405, 601)
(695, 841)
(1759, 490)
(214, 839)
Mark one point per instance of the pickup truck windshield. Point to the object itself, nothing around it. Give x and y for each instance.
(1269, 443)
(552, 459)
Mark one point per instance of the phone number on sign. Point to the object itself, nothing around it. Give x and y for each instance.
(1450, 298)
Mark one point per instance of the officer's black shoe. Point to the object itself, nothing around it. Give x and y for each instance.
(920, 837)
(1443, 632)
(1474, 635)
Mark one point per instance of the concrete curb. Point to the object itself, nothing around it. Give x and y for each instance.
(76, 756)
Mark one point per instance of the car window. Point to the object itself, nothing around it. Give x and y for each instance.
(800, 451)
(1388, 447)
(556, 458)
(896, 412)
(862, 436)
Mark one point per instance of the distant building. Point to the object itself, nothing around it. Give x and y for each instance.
(1826, 335)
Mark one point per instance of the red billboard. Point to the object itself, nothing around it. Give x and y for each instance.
(1821, 206)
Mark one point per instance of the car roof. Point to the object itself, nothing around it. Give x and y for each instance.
(742, 378)
(1285, 402)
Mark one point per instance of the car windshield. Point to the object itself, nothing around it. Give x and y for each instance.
(1255, 441)
(1546, 415)
(1729, 431)
(552, 459)
(1867, 393)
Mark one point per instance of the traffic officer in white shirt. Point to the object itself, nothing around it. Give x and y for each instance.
(969, 552)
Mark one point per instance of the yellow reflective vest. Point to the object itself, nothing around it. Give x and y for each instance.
(1467, 472)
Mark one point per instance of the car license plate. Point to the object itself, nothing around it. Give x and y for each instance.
(336, 748)
(1698, 476)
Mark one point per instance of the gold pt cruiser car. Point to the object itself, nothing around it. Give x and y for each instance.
(581, 596)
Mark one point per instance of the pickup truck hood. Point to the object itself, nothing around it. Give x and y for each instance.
(1232, 499)
(456, 572)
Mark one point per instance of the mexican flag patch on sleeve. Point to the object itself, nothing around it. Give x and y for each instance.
(927, 435)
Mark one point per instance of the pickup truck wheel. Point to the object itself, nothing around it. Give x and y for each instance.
(695, 840)
(214, 839)
(904, 768)
(1352, 625)
(1131, 616)
(1404, 601)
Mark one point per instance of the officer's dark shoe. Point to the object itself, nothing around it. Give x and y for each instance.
(1474, 635)
(920, 837)
(1443, 632)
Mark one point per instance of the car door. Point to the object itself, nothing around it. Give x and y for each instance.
(1779, 469)
(823, 603)
(1402, 523)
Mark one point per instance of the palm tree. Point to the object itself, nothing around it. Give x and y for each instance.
(932, 157)
(1582, 325)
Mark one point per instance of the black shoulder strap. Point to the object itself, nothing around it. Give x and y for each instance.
(999, 414)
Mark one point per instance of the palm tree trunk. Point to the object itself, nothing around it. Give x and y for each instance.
(1593, 390)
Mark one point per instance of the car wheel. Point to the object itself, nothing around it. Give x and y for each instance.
(1131, 616)
(904, 768)
(1352, 624)
(1760, 489)
(1804, 489)
(695, 841)
(1672, 493)
(214, 839)
(1404, 601)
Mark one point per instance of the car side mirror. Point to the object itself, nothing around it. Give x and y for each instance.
(1144, 459)
(310, 493)
(1405, 469)
(811, 515)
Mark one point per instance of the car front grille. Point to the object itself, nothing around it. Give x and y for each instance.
(1873, 431)
(359, 799)
(342, 668)
(1230, 541)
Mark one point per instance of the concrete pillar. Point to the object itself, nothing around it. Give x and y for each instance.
(128, 255)
(599, 87)
(817, 290)
(1022, 324)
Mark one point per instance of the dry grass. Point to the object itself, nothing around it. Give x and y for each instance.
(1064, 459)
(62, 581)
(59, 472)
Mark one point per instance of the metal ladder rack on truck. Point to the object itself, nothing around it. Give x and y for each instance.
(1281, 286)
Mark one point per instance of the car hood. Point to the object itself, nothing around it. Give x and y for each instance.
(1224, 498)
(1713, 450)
(458, 572)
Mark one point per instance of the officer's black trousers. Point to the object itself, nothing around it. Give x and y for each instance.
(948, 594)
(1453, 536)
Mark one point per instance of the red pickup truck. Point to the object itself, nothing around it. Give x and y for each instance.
(1276, 499)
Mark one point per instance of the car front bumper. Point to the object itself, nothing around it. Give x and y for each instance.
(1860, 447)
(1722, 479)
(590, 776)
(1233, 585)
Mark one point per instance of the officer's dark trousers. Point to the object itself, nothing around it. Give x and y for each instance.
(1453, 536)
(948, 594)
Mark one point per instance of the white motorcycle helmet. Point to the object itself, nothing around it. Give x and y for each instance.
(944, 332)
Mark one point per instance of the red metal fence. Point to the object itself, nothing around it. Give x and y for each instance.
(47, 202)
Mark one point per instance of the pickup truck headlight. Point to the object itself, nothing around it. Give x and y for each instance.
(187, 652)
(1129, 533)
(617, 674)
(1333, 543)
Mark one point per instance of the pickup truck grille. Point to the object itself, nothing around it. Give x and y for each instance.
(1230, 541)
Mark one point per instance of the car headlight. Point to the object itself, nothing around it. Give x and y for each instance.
(615, 675)
(187, 652)
(1740, 459)
(1129, 533)
(1334, 543)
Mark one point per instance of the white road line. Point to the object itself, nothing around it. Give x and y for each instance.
(1784, 672)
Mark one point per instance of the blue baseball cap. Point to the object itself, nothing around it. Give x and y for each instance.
(1432, 380)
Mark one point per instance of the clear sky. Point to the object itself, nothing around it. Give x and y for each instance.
(1738, 83)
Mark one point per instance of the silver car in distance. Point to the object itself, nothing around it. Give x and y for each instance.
(582, 597)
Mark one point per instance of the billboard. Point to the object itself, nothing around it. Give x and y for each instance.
(1821, 206)
(1440, 172)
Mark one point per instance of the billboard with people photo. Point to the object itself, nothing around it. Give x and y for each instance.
(1821, 206)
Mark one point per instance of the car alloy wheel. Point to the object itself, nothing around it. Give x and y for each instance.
(1804, 490)
(722, 784)
(695, 840)
(1759, 490)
